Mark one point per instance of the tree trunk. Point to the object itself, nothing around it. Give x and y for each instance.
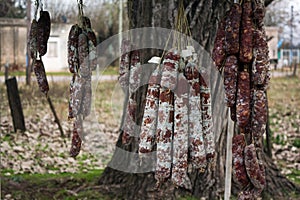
(295, 69)
(203, 17)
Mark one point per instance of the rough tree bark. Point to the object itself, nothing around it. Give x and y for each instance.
(203, 17)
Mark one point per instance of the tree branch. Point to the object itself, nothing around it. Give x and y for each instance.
(268, 2)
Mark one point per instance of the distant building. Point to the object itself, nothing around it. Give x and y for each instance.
(272, 37)
(13, 41)
(289, 56)
(13, 44)
(56, 57)
(283, 56)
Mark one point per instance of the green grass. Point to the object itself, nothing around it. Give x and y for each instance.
(49, 186)
(36, 178)
(296, 143)
(59, 73)
(5, 171)
(7, 138)
(16, 73)
(111, 70)
(295, 176)
(279, 139)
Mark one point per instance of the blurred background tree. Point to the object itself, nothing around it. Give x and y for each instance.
(13, 8)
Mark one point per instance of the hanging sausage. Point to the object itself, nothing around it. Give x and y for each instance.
(43, 32)
(134, 81)
(170, 69)
(182, 115)
(239, 170)
(232, 29)
(37, 46)
(246, 43)
(197, 154)
(70, 114)
(253, 168)
(181, 135)
(259, 118)
(164, 134)
(260, 68)
(76, 137)
(243, 99)
(41, 77)
(207, 123)
(79, 60)
(148, 129)
(83, 55)
(77, 95)
(82, 59)
(32, 42)
(246, 78)
(219, 53)
(73, 48)
(230, 80)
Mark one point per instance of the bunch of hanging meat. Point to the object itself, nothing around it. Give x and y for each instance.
(37, 46)
(177, 121)
(81, 60)
(241, 51)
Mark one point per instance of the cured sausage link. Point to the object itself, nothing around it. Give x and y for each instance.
(73, 48)
(253, 168)
(164, 134)
(259, 117)
(197, 155)
(232, 28)
(230, 80)
(219, 52)
(239, 170)
(44, 26)
(180, 139)
(246, 43)
(243, 99)
(207, 123)
(40, 74)
(148, 129)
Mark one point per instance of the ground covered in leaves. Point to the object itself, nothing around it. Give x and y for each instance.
(41, 148)
(284, 113)
(36, 165)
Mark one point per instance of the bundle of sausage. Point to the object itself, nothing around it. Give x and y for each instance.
(37, 46)
(177, 119)
(241, 49)
(81, 60)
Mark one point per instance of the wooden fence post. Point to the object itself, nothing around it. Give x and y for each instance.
(15, 104)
